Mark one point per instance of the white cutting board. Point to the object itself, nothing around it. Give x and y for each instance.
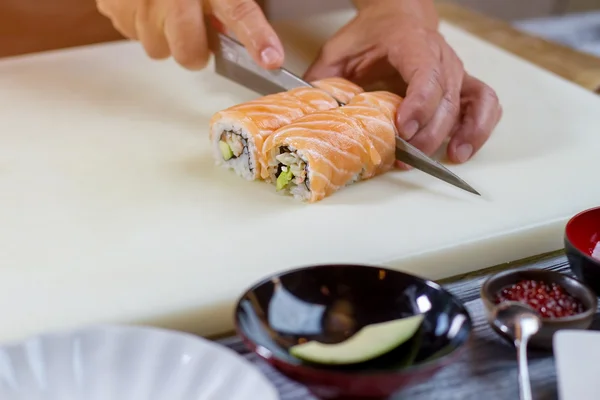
(111, 208)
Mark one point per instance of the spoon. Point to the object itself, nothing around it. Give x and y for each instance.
(520, 322)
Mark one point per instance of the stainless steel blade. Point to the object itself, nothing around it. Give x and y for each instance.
(233, 61)
(412, 156)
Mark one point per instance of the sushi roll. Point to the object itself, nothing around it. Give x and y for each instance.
(320, 153)
(340, 88)
(376, 114)
(237, 134)
(386, 102)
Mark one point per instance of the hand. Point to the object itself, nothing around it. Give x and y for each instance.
(177, 28)
(480, 112)
(396, 41)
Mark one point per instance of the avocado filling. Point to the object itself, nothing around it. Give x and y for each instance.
(231, 145)
(291, 170)
(284, 178)
(226, 151)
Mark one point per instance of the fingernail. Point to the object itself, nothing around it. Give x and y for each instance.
(410, 129)
(464, 152)
(270, 55)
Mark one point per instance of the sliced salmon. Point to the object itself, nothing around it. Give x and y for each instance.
(320, 153)
(331, 150)
(376, 112)
(340, 88)
(238, 133)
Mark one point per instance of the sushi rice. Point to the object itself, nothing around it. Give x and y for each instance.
(237, 134)
(233, 147)
(290, 170)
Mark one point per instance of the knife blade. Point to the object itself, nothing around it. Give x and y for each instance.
(408, 154)
(233, 61)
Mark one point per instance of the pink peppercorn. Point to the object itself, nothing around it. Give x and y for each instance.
(550, 300)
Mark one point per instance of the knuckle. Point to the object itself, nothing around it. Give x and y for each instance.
(122, 19)
(425, 141)
(242, 10)
(104, 7)
(328, 48)
(435, 77)
(489, 94)
(480, 131)
(327, 54)
(451, 104)
(177, 10)
(421, 106)
(192, 60)
(157, 53)
(124, 29)
(143, 11)
(431, 36)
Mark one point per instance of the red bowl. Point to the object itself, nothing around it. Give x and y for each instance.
(582, 235)
(329, 303)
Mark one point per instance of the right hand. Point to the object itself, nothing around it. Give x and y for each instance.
(177, 28)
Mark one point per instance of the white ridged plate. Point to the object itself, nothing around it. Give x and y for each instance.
(127, 363)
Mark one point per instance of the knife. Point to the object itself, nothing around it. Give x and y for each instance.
(233, 61)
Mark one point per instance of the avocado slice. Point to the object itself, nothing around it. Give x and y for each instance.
(368, 343)
(284, 178)
(225, 150)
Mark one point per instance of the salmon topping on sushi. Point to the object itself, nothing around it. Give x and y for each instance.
(322, 152)
(238, 133)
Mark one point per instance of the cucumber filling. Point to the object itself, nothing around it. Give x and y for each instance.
(226, 151)
(284, 178)
(231, 145)
(291, 170)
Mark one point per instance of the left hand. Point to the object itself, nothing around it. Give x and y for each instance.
(390, 42)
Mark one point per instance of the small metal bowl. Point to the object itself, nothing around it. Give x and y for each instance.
(576, 288)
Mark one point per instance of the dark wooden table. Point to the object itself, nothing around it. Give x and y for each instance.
(486, 370)
(575, 66)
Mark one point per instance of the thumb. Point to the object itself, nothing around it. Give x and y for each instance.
(333, 56)
(321, 68)
(249, 24)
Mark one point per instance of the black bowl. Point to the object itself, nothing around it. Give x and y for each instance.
(582, 235)
(329, 303)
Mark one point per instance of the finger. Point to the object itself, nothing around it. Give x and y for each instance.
(186, 34)
(149, 25)
(482, 114)
(499, 113)
(336, 52)
(320, 69)
(247, 21)
(122, 15)
(421, 69)
(432, 136)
